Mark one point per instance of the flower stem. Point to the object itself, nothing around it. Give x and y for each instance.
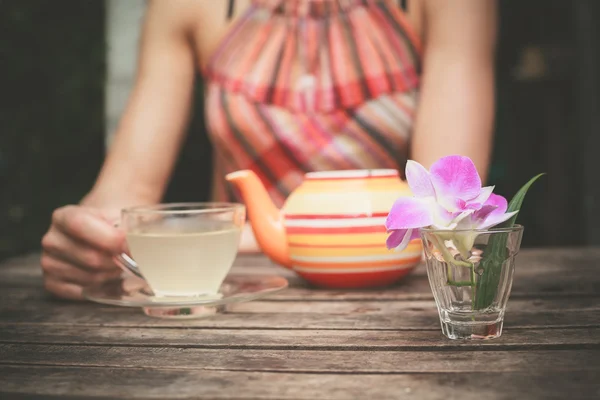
(473, 287)
(452, 261)
(460, 283)
(448, 257)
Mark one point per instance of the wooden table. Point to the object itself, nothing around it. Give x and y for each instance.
(304, 343)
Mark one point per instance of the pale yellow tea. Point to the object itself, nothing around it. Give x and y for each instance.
(185, 263)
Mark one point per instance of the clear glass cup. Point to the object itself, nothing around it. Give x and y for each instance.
(471, 273)
(182, 249)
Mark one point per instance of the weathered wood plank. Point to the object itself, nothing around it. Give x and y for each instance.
(378, 346)
(24, 300)
(533, 259)
(119, 383)
(323, 361)
(394, 307)
(411, 290)
(548, 313)
(30, 297)
(26, 271)
(550, 273)
(294, 339)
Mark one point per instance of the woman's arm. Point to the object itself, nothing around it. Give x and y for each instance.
(456, 108)
(152, 128)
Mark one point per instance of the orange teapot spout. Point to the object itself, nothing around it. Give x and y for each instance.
(266, 219)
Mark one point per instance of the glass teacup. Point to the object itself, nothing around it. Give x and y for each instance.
(183, 249)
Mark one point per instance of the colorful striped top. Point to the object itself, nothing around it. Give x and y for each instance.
(311, 85)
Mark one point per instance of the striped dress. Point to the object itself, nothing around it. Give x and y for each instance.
(311, 85)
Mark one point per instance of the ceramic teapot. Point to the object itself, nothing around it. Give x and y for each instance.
(331, 228)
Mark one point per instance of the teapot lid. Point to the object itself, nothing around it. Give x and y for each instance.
(352, 174)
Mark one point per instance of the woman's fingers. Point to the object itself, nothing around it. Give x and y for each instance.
(77, 253)
(63, 271)
(86, 226)
(62, 289)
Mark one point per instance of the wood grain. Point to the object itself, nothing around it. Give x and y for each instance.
(140, 383)
(519, 339)
(539, 274)
(548, 313)
(309, 361)
(22, 297)
(307, 343)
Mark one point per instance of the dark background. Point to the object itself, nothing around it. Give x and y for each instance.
(52, 76)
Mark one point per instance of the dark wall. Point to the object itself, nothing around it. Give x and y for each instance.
(51, 111)
(548, 117)
(536, 118)
(192, 178)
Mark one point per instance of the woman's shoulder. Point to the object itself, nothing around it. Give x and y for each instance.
(190, 14)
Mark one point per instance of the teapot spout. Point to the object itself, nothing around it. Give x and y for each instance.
(266, 219)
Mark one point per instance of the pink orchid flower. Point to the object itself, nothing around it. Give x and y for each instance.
(447, 197)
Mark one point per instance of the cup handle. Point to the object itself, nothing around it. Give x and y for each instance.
(127, 263)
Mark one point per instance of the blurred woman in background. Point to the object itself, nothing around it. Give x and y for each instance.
(291, 86)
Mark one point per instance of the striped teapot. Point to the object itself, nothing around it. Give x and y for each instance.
(331, 228)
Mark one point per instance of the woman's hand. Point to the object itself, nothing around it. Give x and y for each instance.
(78, 250)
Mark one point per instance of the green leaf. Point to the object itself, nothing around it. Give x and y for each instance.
(517, 201)
(487, 284)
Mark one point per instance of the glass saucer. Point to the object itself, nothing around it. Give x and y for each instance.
(131, 291)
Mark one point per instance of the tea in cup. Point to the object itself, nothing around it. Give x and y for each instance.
(184, 249)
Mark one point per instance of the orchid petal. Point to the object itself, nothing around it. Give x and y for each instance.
(399, 239)
(455, 177)
(418, 179)
(493, 219)
(441, 216)
(409, 212)
(451, 204)
(483, 196)
(456, 221)
(490, 214)
(472, 206)
(396, 238)
(484, 212)
(498, 215)
(498, 201)
(415, 234)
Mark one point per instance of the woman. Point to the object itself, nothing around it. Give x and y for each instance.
(292, 86)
